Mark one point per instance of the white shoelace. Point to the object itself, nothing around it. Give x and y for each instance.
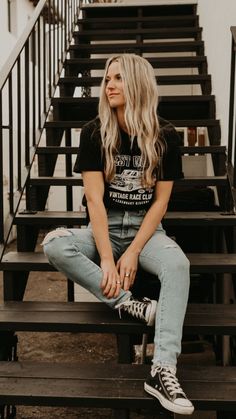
(169, 379)
(134, 307)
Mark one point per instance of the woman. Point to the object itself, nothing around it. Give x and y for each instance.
(129, 161)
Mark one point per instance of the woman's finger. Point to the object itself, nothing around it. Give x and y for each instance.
(104, 280)
(114, 289)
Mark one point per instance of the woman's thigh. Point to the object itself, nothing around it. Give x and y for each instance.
(161, 253)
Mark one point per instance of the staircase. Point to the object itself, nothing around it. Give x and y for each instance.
(170, 37)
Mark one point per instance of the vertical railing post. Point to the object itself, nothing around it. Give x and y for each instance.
(231, 101)
(11, 149)
(44, 66)
(39, 74)
(34, 96)
(27, 105)
(19, 113)
(27, 83)
(1, 176)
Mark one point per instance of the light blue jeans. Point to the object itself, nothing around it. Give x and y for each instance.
(74, 253)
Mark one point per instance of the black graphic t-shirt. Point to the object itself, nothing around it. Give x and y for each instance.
(125, 190)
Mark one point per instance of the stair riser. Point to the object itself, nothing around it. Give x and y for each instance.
(206, 319)
(75, 67)
(44, 221)
(79, 50)
(68, 181)
(145, 34)
(167, 110)
(139, 10)
(184, 150)
(92, 385)
(212, 124)
(67, 87)
(146, 23)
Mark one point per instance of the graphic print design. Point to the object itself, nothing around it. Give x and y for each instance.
(126, 187)
(128, 180)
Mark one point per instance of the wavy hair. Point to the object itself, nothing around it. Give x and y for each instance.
(141, 100)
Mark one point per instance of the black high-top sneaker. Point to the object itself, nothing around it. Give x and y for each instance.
(144, 309)
(163, 384)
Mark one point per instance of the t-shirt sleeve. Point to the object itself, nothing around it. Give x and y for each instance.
(171, 161)
(89, 156)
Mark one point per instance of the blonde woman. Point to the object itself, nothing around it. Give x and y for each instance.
(129, 160)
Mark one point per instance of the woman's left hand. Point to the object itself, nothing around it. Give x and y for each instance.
(127, 267)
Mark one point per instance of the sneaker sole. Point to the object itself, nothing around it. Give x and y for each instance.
(181, 410)
(152, 314)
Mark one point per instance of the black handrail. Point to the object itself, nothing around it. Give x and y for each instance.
(27, 82)
(232, 118)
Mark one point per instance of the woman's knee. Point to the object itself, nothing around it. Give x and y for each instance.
(54, 243)
(176, 260)
(183, 262)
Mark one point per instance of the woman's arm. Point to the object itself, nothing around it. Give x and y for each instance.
(129, 260)
(94, 191)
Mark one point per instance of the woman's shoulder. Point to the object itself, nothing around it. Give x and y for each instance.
(168, 133)
(91, 127)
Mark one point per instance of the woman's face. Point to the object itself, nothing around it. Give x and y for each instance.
(115, 86)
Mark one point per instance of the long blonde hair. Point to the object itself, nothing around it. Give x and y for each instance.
(141, 100)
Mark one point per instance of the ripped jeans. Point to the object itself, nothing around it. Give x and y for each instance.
(74, 253)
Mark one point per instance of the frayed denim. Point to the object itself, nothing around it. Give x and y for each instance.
(73, 252)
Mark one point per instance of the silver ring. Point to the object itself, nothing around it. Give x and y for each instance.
(118, 282)
(127, 274)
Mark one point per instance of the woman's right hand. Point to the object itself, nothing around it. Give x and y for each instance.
(111, 283)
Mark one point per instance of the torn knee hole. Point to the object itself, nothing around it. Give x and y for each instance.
(170, 246)
(59, 232)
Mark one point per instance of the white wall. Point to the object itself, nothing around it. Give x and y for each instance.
(21, 10)
(216, 17)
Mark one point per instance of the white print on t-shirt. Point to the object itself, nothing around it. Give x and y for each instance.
(128, 180)
(124, 160)
(126, 187)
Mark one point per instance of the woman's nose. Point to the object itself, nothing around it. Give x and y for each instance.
(110, 84)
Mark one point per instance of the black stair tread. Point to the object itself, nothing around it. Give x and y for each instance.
(164, 33)
(174, 98)
(49, 217)
(156, 19)
(199, 262)
(160, 46)
(177, 122)
(57, 150)
(203, 150)
(170, 107)
(119, 385)
(157, 62)
(204, 218)
(77, 181)
(57, 181)
(184, 150)
(98, 318)
(32, 261)
(93, 371)
(122, 9)
(65, 124)
(161, 80)
(202, 181)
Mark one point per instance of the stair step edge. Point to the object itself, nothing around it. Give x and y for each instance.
(199, 262)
